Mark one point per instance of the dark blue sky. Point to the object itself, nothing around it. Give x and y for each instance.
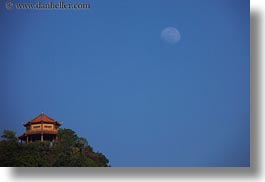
(106, 73)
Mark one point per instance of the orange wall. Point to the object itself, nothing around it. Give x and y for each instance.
(36, 127)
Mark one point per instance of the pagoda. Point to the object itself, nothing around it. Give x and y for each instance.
(42, 128)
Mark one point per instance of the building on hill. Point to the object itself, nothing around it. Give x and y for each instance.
(41, 128)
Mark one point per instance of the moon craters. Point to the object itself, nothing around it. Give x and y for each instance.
(170, 35)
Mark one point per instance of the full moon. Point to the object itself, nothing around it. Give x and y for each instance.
(170, 35)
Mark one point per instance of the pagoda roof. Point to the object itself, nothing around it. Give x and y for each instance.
(42, 118)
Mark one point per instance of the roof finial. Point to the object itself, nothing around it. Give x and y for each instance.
(42, 113)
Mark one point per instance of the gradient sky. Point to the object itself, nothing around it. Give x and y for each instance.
(106, 73)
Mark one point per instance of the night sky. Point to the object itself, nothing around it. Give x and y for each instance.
(139, 99)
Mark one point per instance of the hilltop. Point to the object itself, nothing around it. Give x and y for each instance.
(69, 150)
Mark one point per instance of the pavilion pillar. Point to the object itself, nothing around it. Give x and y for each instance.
(41, 137)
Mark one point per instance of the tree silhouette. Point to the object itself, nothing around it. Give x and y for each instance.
(9, 135)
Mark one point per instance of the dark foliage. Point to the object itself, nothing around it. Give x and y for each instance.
(68, 151)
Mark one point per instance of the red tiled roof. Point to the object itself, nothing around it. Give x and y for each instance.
(43, 118)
